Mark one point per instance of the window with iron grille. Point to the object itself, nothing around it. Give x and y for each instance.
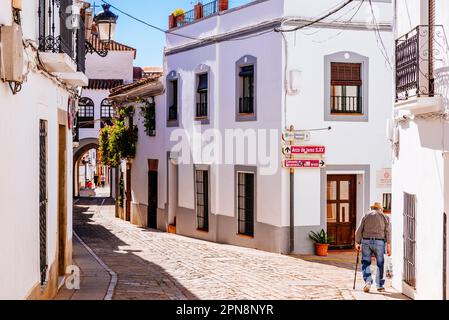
(202, 91)
(106, 113)
(246, 100)
(409, 274)
(346, 88)
(43, 201)
(86, 113)
(173, 100)
(245, 203)
(202, 199)
(387, 202)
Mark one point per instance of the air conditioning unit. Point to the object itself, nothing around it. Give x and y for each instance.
(11, 53)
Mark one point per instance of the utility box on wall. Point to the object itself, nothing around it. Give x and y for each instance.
(11, 53)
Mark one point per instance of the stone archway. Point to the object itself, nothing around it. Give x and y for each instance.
(84, 146)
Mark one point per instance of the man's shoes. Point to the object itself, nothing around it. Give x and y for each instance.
(381, 290)
(367, 287)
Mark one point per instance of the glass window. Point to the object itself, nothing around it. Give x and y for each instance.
(86, 113)
(346, 88)
(173, 108)
(246, 101)
(245, 203)
(202, 199)
(202, 92)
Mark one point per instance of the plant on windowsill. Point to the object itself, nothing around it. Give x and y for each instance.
(322, 241)
(147, 112)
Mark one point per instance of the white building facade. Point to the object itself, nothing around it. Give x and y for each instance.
(419, 133)
(230, 75)
(40, 81)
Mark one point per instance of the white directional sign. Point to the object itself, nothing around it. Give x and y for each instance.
(296, 136)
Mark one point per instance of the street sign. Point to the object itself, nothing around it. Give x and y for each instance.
(304, 150)
(304, 163)
(296, 135)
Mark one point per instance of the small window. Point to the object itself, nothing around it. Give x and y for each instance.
(150, 119)
(346, 88)
(202, 92)
(387, 202)
(202, 199)
(173, 100)
(246, 100)
(107, 113)
(86, 113)
(245, 203)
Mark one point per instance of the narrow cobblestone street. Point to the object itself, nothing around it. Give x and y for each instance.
(156, 265)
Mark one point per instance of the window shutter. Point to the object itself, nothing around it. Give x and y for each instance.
(346, 74)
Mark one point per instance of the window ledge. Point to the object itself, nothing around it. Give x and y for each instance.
(202, 230)
(244, 236)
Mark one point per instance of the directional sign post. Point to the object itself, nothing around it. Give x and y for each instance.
(304, 163)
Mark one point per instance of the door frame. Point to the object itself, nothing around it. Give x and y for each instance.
(353, 207)
(363, 172)
(62, 198)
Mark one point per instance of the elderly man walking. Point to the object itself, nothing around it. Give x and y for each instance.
(373, 236)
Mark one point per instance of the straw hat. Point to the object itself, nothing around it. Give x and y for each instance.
(376, 206)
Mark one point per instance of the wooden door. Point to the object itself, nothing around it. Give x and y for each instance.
(62, 201)
(341, 210)
(128, 195)
(152, 199)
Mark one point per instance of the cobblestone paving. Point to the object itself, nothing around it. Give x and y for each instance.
(156, 265)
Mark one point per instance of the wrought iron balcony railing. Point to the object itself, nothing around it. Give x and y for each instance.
(200, 11)
(417, 54)
(57, 31)
(346, 104)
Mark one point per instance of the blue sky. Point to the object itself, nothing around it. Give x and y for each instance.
(148, 42)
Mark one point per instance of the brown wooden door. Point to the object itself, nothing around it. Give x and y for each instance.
(341, 210)
(128, 195)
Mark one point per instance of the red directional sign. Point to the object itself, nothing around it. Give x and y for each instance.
(304, 163)
(307, 149)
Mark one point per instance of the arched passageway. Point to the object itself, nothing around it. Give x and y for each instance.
(90, 177)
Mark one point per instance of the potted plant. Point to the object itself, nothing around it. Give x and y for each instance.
(322, 242)
(179, 15)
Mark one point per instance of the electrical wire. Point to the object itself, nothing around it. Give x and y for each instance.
(379, 40)
(330, 13)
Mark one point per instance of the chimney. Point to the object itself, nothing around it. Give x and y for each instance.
(223, 5)
(171, 21)
(199, 13)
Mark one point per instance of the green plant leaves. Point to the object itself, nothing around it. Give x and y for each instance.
(320, 237)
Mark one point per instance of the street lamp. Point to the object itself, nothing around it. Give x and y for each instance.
(106, 22)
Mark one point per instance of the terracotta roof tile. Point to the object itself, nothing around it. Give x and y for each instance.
(124, 88)
(113, 45)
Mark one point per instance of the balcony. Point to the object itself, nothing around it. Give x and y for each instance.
(417, 54)
(62, 41)
(199, 12)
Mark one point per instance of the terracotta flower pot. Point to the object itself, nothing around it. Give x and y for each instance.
(321, 249)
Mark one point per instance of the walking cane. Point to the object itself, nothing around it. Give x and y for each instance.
(356, 267)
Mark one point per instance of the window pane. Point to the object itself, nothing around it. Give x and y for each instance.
(332, 190)
(344, 190)
(331, 212)
(344, 212)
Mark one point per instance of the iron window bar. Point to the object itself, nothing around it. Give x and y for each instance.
(346, 104)
(245, 203)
